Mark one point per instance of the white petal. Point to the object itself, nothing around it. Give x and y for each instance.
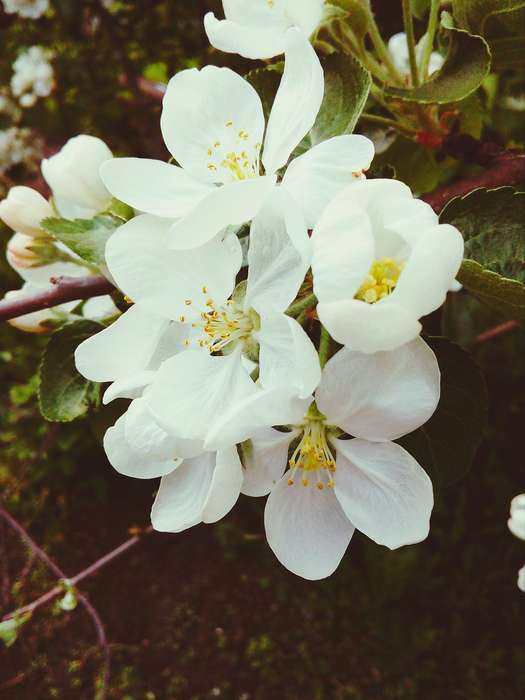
(229, 205)
(207, 114)
(161, 279)
(319, 174)
(152, 186)
(123, 349)
(287, 356)
(128, 462)
(129, 388)
(194, 389)
(182, 495)
(380, 396)
(430, 270)
(145, 437)
(265, 460)
(305, 14)
(343, 252)
(306, 529)
(261, 408)
(384, 491)
(225, 486)
(369, 327)
(297, 101)
(279, 254)
(249, 41)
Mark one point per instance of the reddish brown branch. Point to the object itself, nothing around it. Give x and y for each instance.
(64, 289)
(504, 167)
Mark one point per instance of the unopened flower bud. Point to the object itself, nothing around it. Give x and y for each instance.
(73, 173)
(516, 521)
(21, 252)
(23, 209)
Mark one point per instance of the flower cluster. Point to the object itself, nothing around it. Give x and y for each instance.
(32, 9)
(272, 342)
(33, 76)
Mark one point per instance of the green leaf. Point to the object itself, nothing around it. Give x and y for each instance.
(359, 16)
(419, 8)
(466, 66)
(121, 210)
(493, 225)
(266, 81)
(472, 14)
(63, 393)
(85, 237)
(446, 445)
(347, 84)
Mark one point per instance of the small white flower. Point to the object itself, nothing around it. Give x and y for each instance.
(521, 579)
(398, 47)
(23, 209)
(335, 485)
(33, 76)
(257, 28)
(195, 288)
(516, 521)
(381, 261)
(19, 146)
(213, 124)
(32, 9)
(73, 175)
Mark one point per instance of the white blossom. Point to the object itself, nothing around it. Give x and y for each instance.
(516, 521)
(398, 47)
(213, 124)
(381, 261)
(257, 28)
(195, 289)
(333, 484)
(32, 9)
(73, 175)
(521, 579)
(33, 76)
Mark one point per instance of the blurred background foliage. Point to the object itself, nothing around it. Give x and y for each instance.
(211, 613)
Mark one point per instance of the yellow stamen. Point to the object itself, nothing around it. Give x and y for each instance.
(380, 281)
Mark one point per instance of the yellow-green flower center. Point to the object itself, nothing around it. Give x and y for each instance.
(380, 281)
(313, 456)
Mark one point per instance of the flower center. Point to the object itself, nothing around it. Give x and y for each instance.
(238, 159)
(380, 281)
(313, 457)
(218, 325)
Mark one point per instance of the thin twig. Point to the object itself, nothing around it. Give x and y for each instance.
(64, 289)
(497, 331)
(39, 552)
(411, 41)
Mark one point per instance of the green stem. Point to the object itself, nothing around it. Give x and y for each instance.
(431, 32)
(390, 123)
(411, 42)
(302, 305)
(324, 347)
(383, 52)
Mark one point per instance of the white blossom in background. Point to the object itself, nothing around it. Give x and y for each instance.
(8, 106)
(381, 261)
(516, 524)
(398, 47)
(32, 9)
(213, 124)
(257, 28)
(73, 174)
(33, 76)
(19, 146)
(333, 485)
